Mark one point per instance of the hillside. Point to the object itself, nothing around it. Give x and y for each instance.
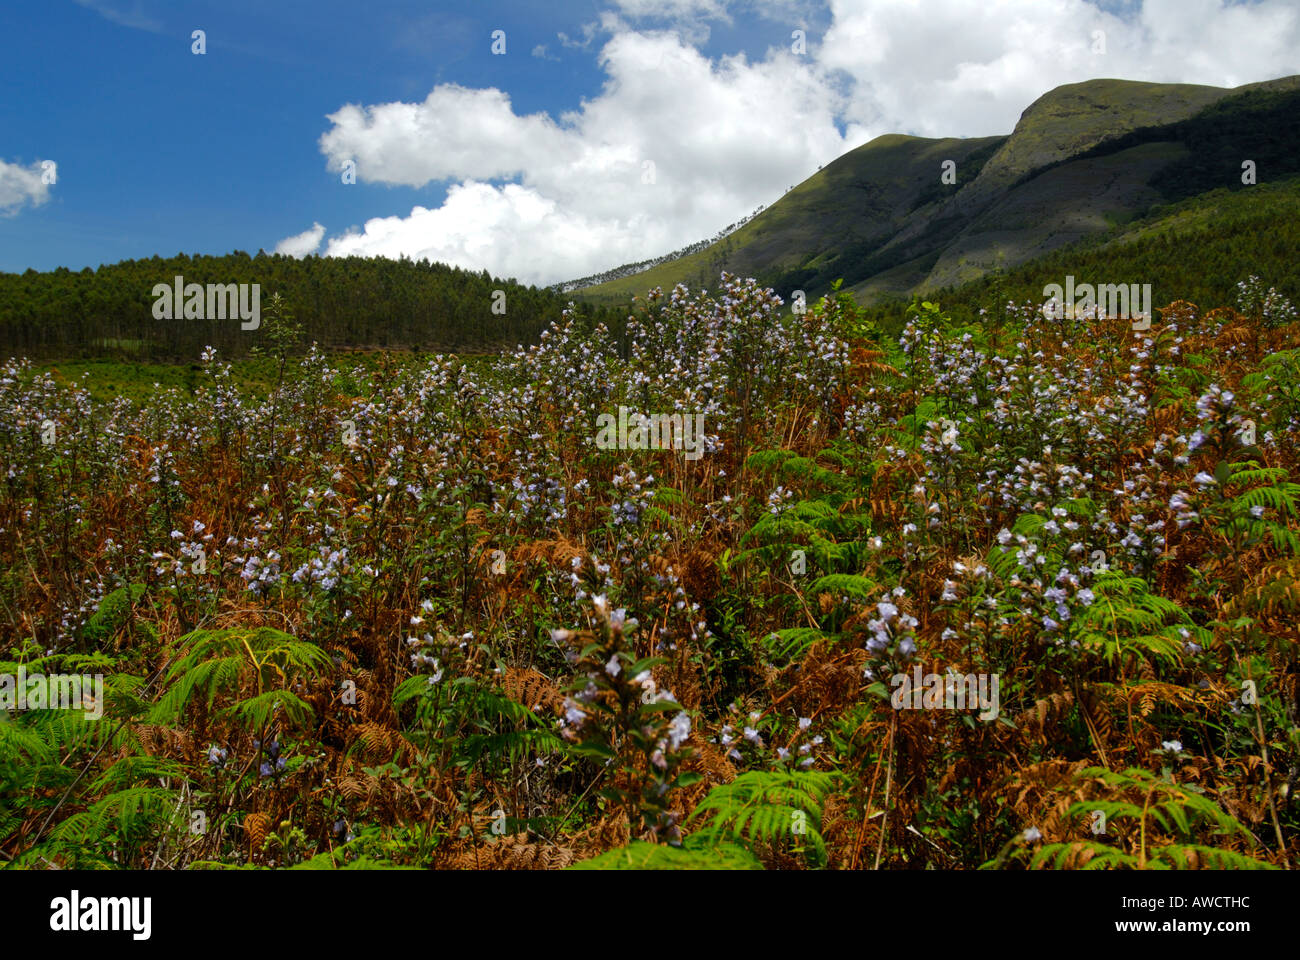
(1083, 159)
(859, 201)
(1235, 234)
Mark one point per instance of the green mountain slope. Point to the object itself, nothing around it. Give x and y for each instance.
(1083, 159)
(1197, 250)
(855, 204)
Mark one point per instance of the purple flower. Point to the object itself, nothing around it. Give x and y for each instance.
(679, 730)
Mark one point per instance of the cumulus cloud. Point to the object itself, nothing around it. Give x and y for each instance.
(455, 132)
(674, 147)
(22, 186)
(301, 244)
(951, 67)
(677, 144)
(512, 231)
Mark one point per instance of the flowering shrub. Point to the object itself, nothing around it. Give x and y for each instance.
(411, 612)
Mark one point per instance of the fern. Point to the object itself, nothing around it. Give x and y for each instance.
(792, 468)
(1127, 621)
(792, 643)
(478, 723)
(110, 829)
(257, 711)
(524, 736)
(1268, 490)
(833, 538)
(1148, 803)
(1276, 384)
(130, 770)
(324, 861)
(225, 662)
(692, 855)
(766, 809)
(115, 611)
(845, 584)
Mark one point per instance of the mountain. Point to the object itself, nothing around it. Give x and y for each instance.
(1083, 161)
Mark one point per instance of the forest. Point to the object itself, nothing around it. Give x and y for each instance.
(356, 302)
(1234, 234)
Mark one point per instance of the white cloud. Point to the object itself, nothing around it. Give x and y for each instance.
(725, 11)
(20, 186)
(301, 244)
(1228, 45)
(456, 132)
(690, 18)
(589, 33)
(511, 231)
(952, 67)
(674, 9)
(728, 133)
(124, 14)
(723, 137)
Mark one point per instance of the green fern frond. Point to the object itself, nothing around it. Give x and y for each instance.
(258, 711)
(792, 642)
(768, 808)
(846, 584)
(640, 855)
(1213, 858)
(117, 813)
(131, 770)
(224, 662)
(1127, 620)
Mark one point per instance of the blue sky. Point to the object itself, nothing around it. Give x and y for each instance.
(607, 132)
(160, 150)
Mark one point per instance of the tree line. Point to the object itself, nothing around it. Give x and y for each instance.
(340, 301)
